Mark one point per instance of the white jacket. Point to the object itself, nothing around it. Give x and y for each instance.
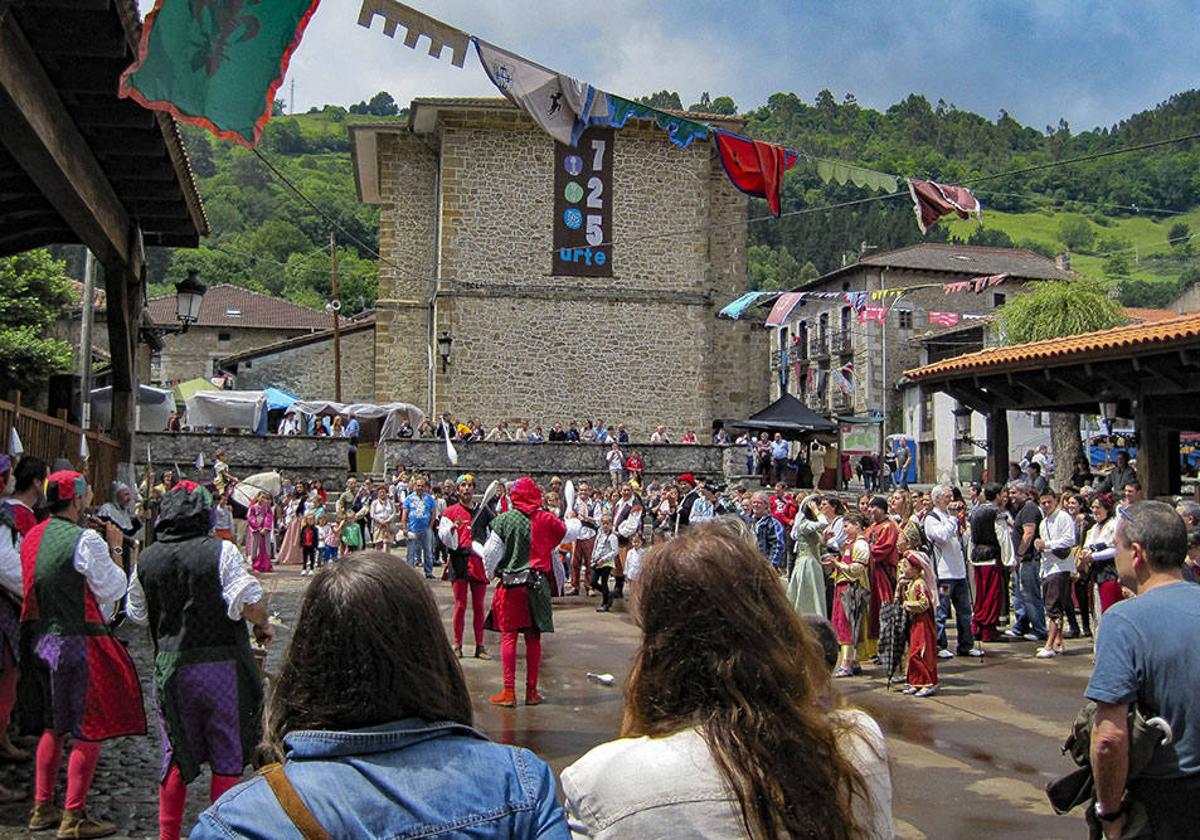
(1057, 531)
(670, 787)
(941, 527)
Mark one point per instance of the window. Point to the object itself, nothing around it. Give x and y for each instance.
(998, 298)
(927, 412)
(905, 318)
(224, 337)
(1041, 419)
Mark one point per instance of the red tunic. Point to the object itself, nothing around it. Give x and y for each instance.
(882, 537)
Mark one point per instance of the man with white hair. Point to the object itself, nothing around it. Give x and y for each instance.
(768, 533)
(949, 559)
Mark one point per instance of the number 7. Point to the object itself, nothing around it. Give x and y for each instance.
(598, 147)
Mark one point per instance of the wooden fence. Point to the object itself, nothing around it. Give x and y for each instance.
(51, 438)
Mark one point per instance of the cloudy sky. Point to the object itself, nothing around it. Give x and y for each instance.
(1092, 63)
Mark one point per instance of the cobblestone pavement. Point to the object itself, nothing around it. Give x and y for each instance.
(970, 762)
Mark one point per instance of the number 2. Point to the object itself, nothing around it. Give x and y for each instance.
(596, 187)
(598, 147)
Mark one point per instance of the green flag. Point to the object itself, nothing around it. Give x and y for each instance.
(217, 63)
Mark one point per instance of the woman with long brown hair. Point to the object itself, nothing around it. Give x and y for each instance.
(732, 727)
(375, 737)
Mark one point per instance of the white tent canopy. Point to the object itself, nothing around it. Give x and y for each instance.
(390, 415)
(154, 408)
(228, 410)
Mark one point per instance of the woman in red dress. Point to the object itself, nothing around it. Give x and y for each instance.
(916, 591)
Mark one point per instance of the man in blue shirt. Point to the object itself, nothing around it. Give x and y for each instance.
(1146, 653)
(415, 516)
(779, 457)
(351, 432)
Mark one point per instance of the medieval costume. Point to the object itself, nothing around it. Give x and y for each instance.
(882, 538)
(627, 521)
(851, 601)
(989, 530)
(260, 522)
(917, 592)
(119, 512)
(464, 529)
(519, 553)
(293, 519)
(806, 584)
(76, 678)
(191, 588)
(588, 513)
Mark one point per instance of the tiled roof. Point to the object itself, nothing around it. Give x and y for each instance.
(969, 259)
(1119, 341)
(1140, 315)
(346, 327)
(231, 306)
(99, 299)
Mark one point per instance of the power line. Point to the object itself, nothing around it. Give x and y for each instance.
(1082, 158)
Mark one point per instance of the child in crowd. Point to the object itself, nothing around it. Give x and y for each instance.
(851, 595)
(915, 592)
(604, 560)
(330, 536)
(633, 561)
(223, 520)
(310, 544)
(351, 534)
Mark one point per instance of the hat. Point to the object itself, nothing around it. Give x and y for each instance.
(465, 478)
(687, 478)
(64, 485)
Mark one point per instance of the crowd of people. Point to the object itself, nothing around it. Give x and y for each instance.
(746, 723)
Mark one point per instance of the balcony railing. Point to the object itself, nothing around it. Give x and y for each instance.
(820, 346)
(840, 342)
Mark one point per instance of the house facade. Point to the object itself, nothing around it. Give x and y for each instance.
(471, 194)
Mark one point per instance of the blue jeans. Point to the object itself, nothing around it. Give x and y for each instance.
(1034, 618)
(420, 550)
(959, 595)
(1019, 621)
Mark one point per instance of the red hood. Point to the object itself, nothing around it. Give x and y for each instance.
(526, 496)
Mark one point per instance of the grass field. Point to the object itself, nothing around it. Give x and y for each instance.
(1149, 236)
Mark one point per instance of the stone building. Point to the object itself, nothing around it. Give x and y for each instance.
(231, 320)
(467, 192)
(304, 365)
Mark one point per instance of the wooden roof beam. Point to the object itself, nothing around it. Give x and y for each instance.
(43, 139)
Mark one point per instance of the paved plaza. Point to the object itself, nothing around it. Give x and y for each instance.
(970, 762)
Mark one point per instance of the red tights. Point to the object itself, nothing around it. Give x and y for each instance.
(478, 594)
(1110, 593)
(533, 658)
(80, 766)
(172, 797)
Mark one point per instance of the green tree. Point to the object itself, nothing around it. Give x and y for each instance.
(663, 99)
(1180, 237)
(1054, 309)
(1075, 232)
(723, 105)
(33, 292)
(382, 105)
(1118, 264)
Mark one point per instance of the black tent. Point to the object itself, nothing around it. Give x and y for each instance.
(790, 417)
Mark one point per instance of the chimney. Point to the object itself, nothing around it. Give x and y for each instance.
(1063, 262)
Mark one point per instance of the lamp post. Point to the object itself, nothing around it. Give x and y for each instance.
(443, 343)
(189, 295)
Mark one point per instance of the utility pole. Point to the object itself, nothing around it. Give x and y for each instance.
(336, 305)
(292, 98)
(86, 312)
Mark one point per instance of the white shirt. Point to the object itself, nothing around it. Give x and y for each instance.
(1057, 531)
(10, 561)
(104, 577)
(382, 511)
(633, 563)
(239, 588)
(605, 549)
(941, 527)
(670, 787)
(616, 459)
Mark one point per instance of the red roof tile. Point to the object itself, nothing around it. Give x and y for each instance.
(1142, 337)
(231, 306)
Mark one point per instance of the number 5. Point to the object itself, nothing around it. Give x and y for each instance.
(595, 233)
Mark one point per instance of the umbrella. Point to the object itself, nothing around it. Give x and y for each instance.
(893, 630)
(855, 601)
(249, 488)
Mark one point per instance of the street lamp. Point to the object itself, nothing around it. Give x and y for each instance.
(444, 341)
(1108, 412)
(189, 295)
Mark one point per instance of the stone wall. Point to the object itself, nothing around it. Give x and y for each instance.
(192, 353)
(306, 458)
(487, 461)
(306, 370)
(642, 347)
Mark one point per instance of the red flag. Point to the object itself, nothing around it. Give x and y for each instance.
(932, 200)
(872, 313)
(944, 319)
(756, 168)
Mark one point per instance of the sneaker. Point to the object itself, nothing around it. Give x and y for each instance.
(77, 824)
(458, 651)
(927, 691)
(843, 672)
(481, 652)
(945, 653)
(911, 689)
(603, 608)
(1014, 633)
(1032, 637)
(1046, 653)
(532, 698)
(507, 698)
(45, 815)
(976, 652)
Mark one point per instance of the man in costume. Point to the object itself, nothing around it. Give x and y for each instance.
(196, 595)
(519, 552)
(81, 679)
(882, 537)
(464, 529)
(986, 559)
(688, 494)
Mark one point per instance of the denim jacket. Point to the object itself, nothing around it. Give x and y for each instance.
(410, 778)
